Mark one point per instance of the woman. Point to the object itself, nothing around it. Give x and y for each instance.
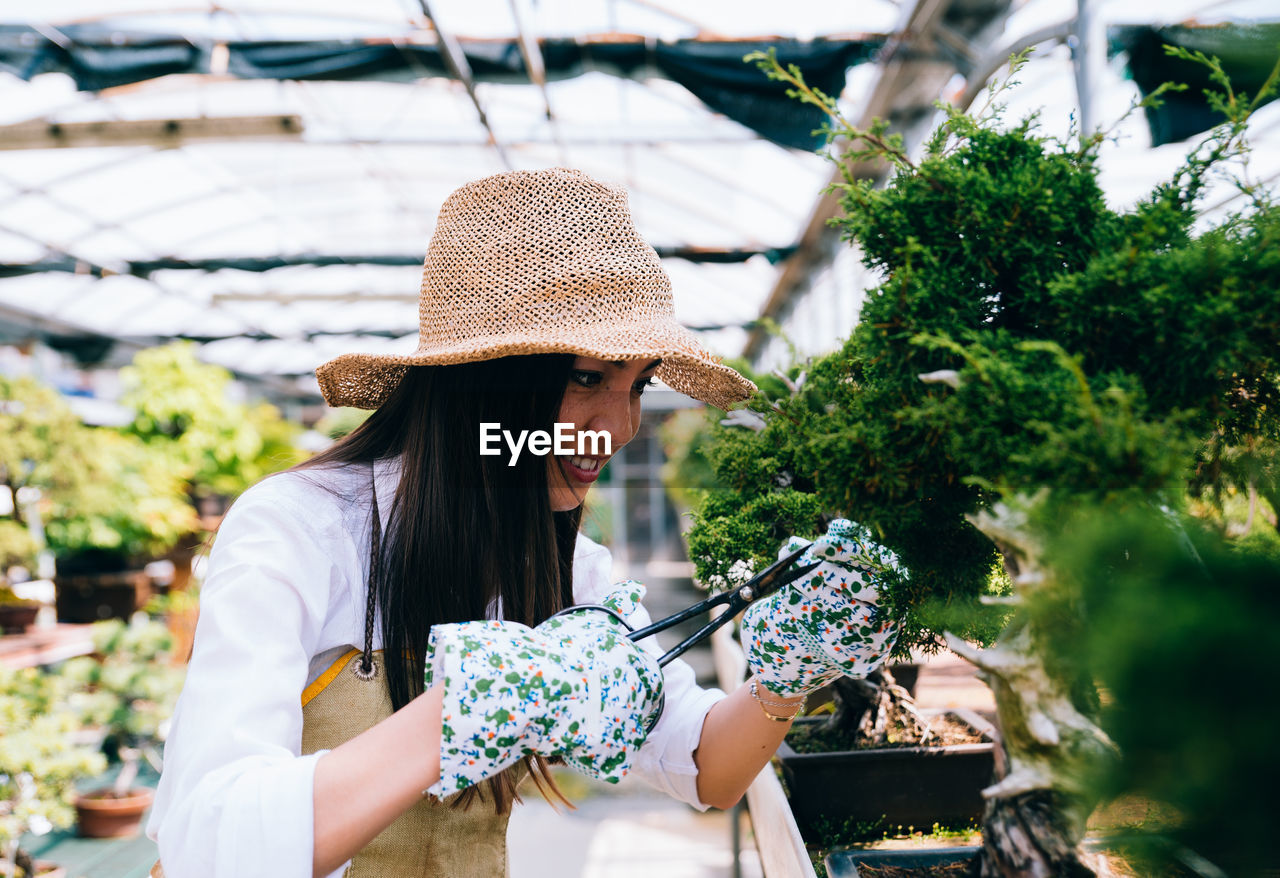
(296, 748)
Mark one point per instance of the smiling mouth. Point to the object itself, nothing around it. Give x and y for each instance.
(581, 468)
(588, 464)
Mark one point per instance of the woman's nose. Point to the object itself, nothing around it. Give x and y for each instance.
(614, 415)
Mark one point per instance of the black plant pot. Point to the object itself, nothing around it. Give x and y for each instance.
(901, 786)
(88, 597)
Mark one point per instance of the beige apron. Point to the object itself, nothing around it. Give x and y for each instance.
(430, 840)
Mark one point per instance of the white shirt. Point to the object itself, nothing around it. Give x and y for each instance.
(284, 596)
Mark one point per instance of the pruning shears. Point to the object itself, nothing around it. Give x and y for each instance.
(765, 583)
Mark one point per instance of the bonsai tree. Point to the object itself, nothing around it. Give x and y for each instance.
(1032, 357)
(100, 492)
(184, 414)
(129, 688)
(39, 762)
(17, 551)
(126, 507)
(17, 547)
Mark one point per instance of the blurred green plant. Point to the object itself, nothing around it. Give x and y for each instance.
(39, 761)
(686, 473)
(99, 490)
(128, 688)
(184, 414)
(1181, 638)
(17, 547)
(337, 423)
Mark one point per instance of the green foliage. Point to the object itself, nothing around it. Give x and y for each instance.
(128, 686)
(687, 474)
(184, 414)
(39, 763)
(338, 422)
(41, 439)
(17, 546)
(1025, 337)
(1182, 629)
(127, 493)
(99, 489)
(127, 501)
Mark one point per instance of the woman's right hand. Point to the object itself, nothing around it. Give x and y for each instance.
(574, 686)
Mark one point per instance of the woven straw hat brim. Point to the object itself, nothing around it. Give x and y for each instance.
(366, 380)
(547, 261)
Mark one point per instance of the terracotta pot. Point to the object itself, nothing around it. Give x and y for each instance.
(16, 618)
(109, 817)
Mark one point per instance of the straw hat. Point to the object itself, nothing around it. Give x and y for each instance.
(531, 262)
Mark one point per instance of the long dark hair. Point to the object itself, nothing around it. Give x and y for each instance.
(465, 529)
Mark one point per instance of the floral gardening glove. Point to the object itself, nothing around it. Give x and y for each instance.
(826, 625)
(573, 686)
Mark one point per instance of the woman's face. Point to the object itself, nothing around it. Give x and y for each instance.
(604, 397)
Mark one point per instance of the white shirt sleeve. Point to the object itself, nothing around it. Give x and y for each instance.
(235, 796)
(665, 760)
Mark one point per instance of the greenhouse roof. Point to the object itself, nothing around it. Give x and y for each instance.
(263, 176)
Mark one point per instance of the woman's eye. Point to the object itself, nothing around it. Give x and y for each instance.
(585, 378)
(640, 386)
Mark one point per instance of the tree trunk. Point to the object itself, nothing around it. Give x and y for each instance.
(1023, 837)
(877, 710)
(1036, 812)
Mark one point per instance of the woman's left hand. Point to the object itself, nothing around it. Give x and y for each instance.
(574, 686)
(826, 625)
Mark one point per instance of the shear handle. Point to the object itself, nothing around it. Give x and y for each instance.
(738, 600)
(771, 578)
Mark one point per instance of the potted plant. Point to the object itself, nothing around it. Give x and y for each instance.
(129, 688)
(106, 504)
(184, 413)
(910, 768)
(16, 614)
(126, 507)
(39, 766)
(17, 552)
(1033, 360)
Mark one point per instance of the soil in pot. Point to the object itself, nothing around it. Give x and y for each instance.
(951, 870)
(954, 862)
(816, 737)
(103, 814)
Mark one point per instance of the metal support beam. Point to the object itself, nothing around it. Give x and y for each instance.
(536, 69)
(458, 65)
(1090, 61)
(65, 263)
(991, 63)
(148, 132)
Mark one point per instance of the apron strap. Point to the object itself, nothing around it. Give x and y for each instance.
(367, 670)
